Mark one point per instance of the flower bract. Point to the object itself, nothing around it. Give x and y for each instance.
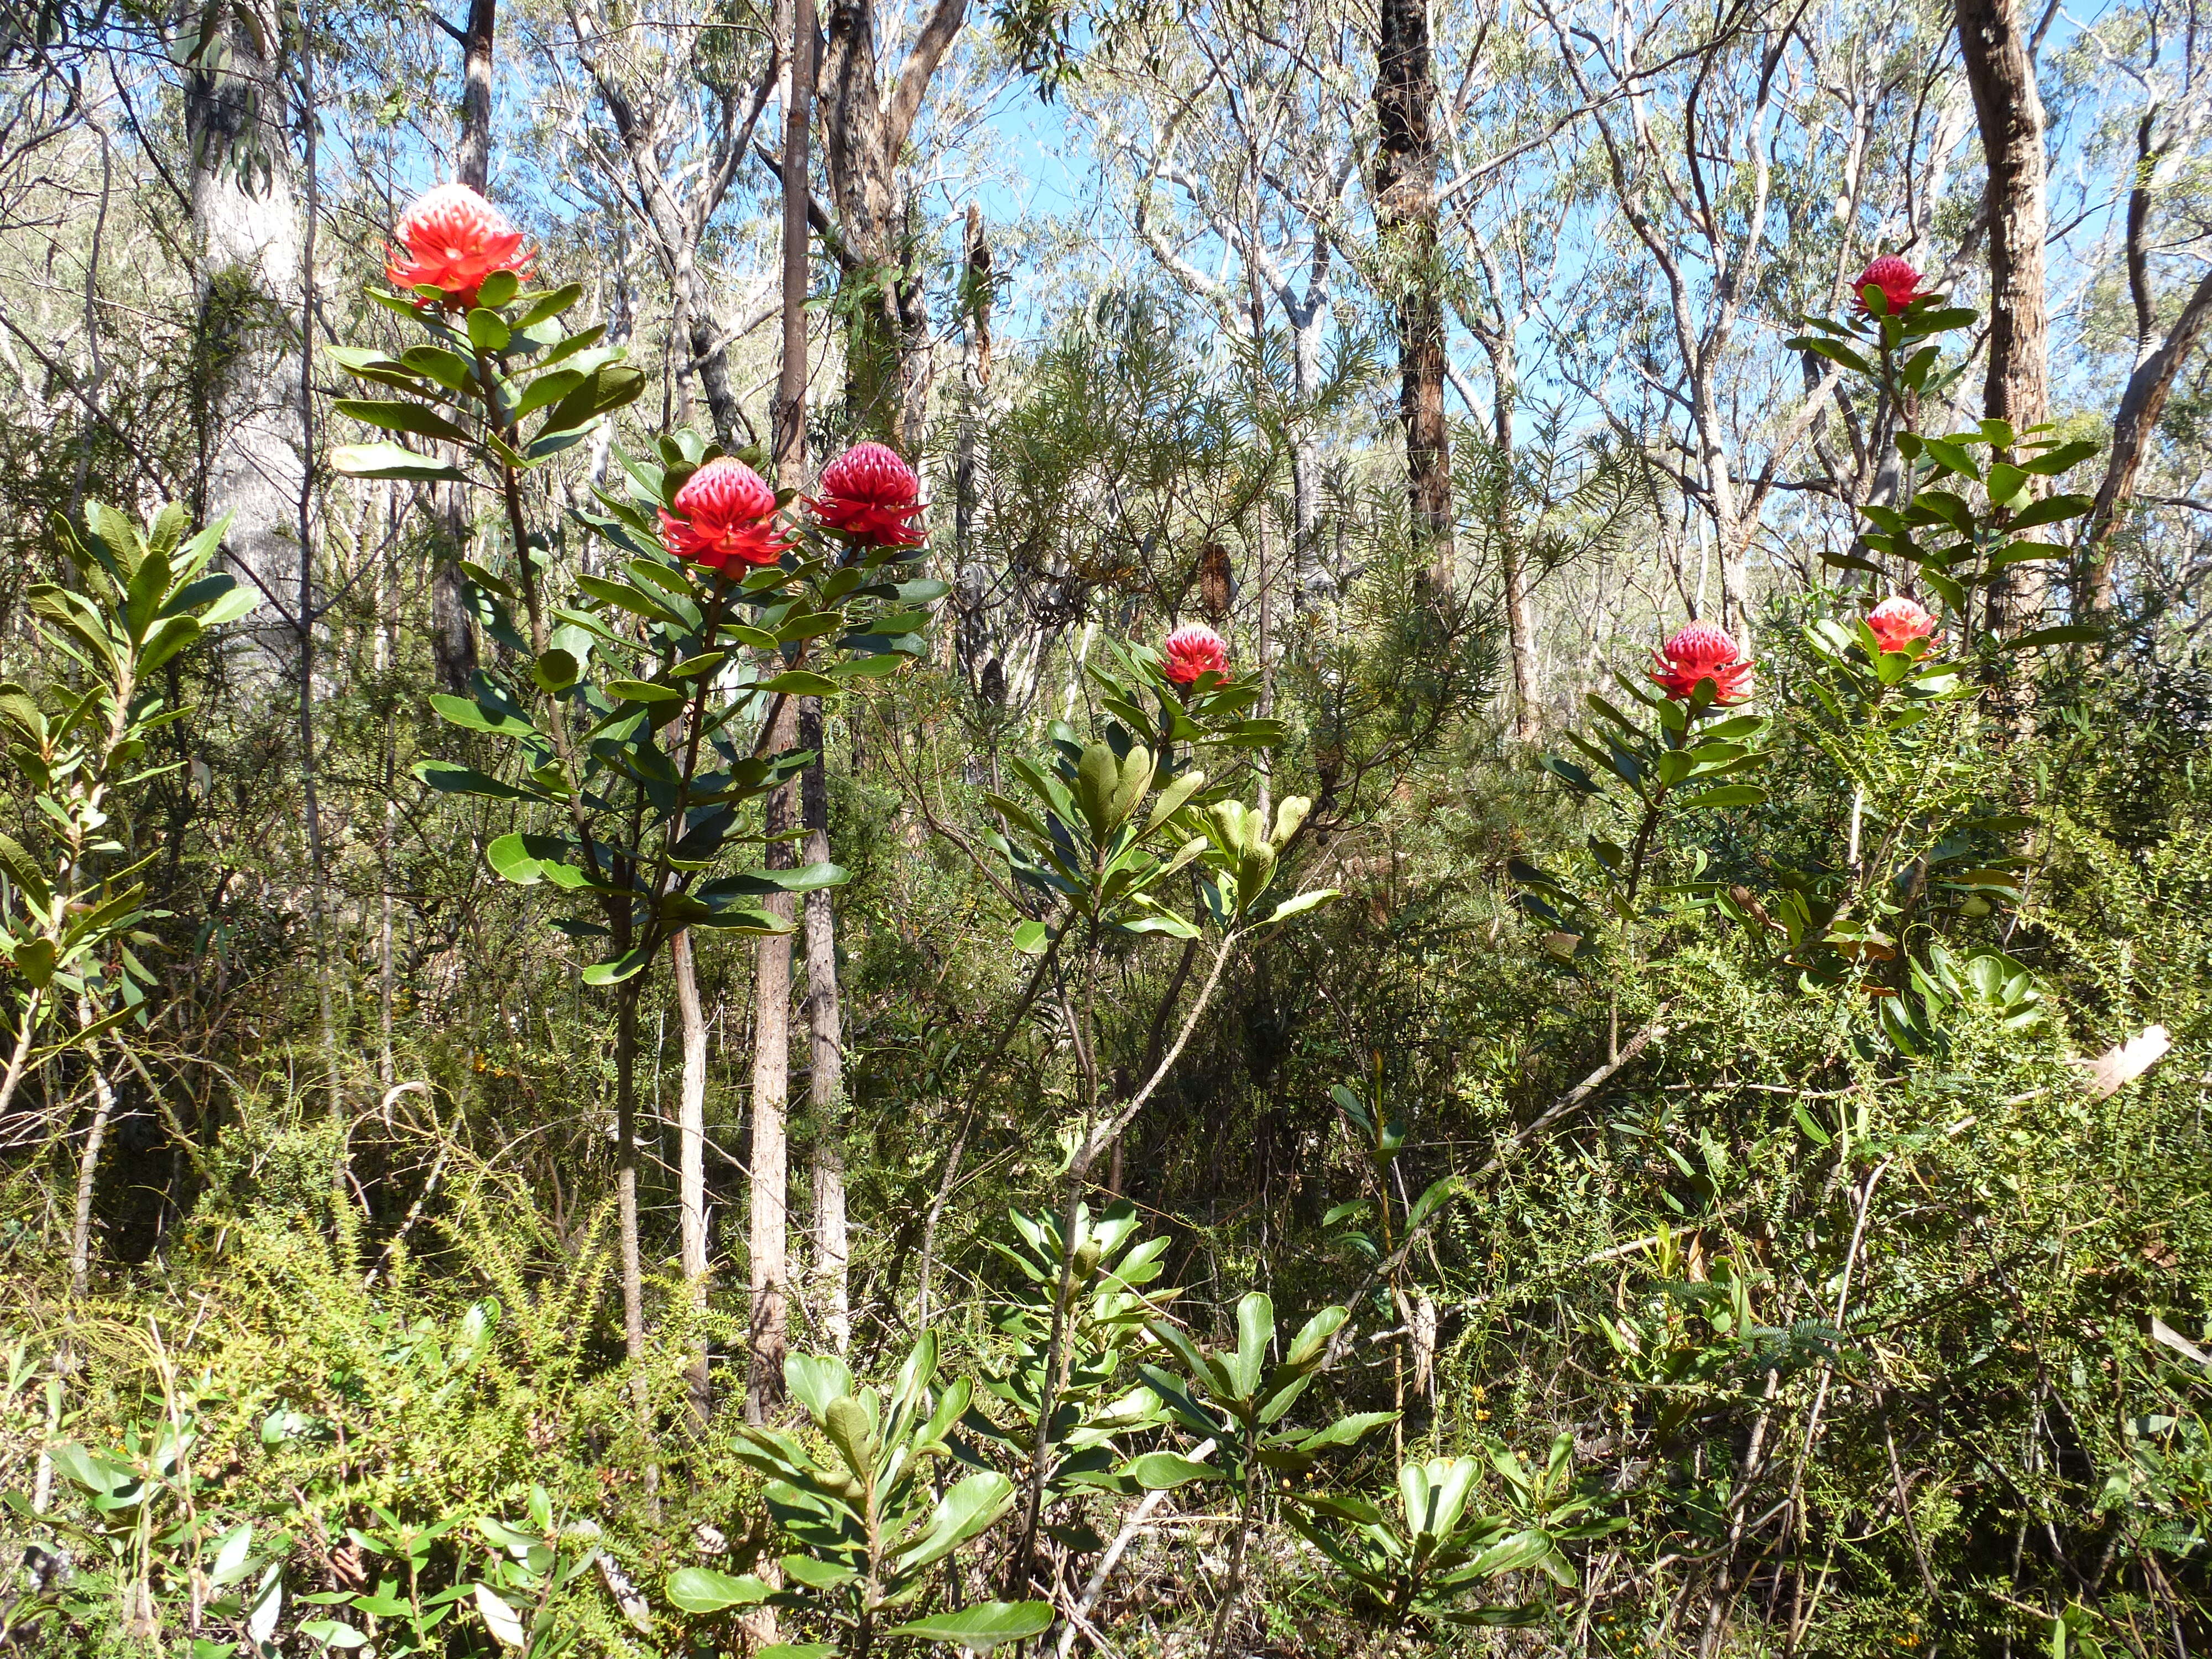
(453, 239)
(871, 494)
(1702, 652)
(1192, 650)
(725, 513)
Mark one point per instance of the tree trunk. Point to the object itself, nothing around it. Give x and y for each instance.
(971, 641)
(691, 1162)
(2140, 405)
(633, 1273)
(770, 1274)
(304, 615)
(453, 635)
(878, 279)
(768, 1245)
(246, 221)
(871, 268)
(825, 1093)
(103, 1095)
(798, 128)
(1405, 216)
(2001, 71)
(472, 156)
(1520, 627)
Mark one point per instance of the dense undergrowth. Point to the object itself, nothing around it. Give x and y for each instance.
(1704, 1204)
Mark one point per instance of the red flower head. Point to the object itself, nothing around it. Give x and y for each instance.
(729, 513)
(455, 238)
(1701, 652)
(1898, 281)
(1194, 650)
(869, 493)
(1898, 621)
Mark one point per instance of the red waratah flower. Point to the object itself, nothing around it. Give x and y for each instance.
(1194, 650)
(729, 512)
(1898, 281)
(454, 239)
(869, 493)
(1701, 652)
(1896, 622)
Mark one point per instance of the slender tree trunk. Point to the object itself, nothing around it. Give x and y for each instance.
(453, 632)
(305, 617)
(1993, 39)
(19, 1057)
(632, 1273)
(770, 1154)
(865, 129)
(691, 1161)
(971, 641)
(103, 1097)
(1520, 627)
(861, 183)
(387, 642)
(1406, 215)
(826, 1051)
(770, 1281)
(797, 132)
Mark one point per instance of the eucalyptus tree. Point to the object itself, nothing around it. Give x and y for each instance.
(683, 96)
(1236, 135)
(1714, 140)
(2149, 62)
(249, 227)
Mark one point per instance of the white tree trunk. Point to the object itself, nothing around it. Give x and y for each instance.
(245, 213)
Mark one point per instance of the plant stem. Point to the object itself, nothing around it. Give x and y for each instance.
(691, 1159)
(1234, 1589)
(23, 1054)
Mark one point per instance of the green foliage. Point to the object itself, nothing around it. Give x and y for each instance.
(866, 1507)
(1105, 1294)
(1418, 1565)
(71, 905)
(1237, 1400)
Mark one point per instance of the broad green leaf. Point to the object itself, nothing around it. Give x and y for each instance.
(555, 669)
(398, 415)
(501, 1618)
(2051, 509)
(469, 713)
(799, 683)
(450, 779)
(815, 1380)
(985, 1625)
(391, 461)
(1308, 900)
(645, 692)
(704, 1590)
(1162, 1471)
(523, 859)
